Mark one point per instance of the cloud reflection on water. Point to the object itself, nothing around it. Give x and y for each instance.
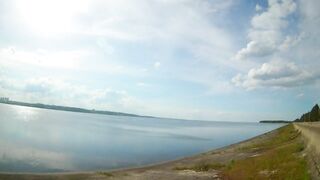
(39, 140)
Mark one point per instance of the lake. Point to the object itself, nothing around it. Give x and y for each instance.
(40, 140)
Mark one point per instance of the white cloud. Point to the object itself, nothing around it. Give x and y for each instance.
(163, 25)
(18, 60)
(190, 39)
(274, 17)
(291, 41)
(143, 84)
(42, 58)
(300, 95)
(184, 25)
(307, 49)
(279, 74)
(269, 40)
(258, 7)
(61, 92)
(157, 65)
(310, 14)
(124, 20)
(256, 49)
(51, 16)
(265, 35)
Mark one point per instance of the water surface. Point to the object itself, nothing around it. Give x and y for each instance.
(40, 140)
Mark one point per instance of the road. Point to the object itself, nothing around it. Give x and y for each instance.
(311, 133)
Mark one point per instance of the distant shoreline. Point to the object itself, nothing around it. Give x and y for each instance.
(71, 109)
(93, 111)
(275, 121)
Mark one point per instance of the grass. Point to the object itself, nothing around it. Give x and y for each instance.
(278, 157)
(202, 167)
(285, 134)
(107, 174)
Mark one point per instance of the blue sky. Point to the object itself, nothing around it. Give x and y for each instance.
(223, 60)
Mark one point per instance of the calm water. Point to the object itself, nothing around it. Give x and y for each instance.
(39, 140)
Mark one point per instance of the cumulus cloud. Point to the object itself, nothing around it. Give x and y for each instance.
(279, 74)
(265, 35)
(308, 47)
(256, 49)
(269, 40)
(291, 41)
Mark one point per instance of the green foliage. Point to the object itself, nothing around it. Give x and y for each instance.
(313, 115)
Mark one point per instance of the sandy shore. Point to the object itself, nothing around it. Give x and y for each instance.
(165, 170)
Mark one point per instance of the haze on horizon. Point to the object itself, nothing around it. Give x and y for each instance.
(224, 60)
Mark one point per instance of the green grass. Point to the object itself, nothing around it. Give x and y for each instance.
(285, 134)
(202, 167)
(106, 174)
(279, 158)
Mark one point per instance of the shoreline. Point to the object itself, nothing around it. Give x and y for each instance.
(221, 155)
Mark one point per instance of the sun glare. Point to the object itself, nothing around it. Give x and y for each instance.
(50, 16)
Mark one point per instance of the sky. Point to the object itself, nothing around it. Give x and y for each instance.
(217, 60)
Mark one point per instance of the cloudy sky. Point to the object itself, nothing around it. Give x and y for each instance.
(223, 60)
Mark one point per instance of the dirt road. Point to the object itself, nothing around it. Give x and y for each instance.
(311, 133)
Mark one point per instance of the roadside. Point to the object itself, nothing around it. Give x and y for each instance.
(311, 133)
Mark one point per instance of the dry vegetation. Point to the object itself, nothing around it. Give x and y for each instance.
(279, 157)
